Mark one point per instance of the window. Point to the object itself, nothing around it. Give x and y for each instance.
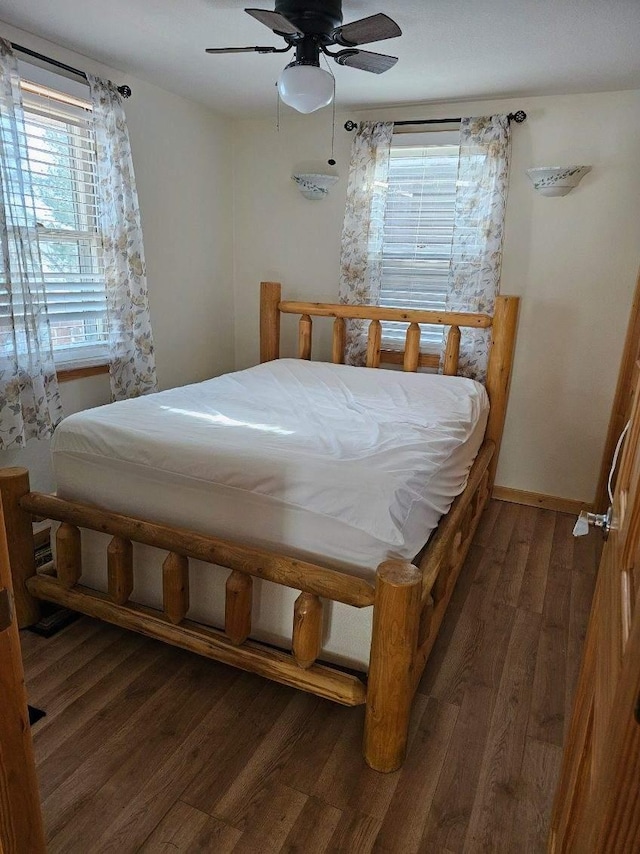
(418, 230)
(61, 151)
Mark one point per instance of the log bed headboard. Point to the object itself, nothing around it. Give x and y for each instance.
(503, 333)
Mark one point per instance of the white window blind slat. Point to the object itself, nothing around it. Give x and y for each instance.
(418, 232)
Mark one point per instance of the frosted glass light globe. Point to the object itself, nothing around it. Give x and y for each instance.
(306, 88)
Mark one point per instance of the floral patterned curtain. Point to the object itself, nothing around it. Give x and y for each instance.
(131, 354)
(29, 399)
(362, 232)
(481, 195)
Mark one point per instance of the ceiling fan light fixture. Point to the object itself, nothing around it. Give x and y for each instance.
(305, 87)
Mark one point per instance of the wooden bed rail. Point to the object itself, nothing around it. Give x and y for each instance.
(278, 568)
(377, 312)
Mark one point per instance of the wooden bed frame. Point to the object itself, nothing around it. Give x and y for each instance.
(408, 601)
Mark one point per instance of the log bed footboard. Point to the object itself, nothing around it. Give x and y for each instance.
(408, 601)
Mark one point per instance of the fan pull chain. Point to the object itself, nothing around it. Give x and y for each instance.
(277, 109)
(331, 160)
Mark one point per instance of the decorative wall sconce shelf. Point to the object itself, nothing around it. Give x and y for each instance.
(556, 180)
(313, 185)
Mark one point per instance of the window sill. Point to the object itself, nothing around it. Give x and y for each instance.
(67, 374)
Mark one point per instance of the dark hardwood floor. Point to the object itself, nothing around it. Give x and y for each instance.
(148, 748)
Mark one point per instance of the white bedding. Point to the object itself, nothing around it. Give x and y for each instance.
(342, 465)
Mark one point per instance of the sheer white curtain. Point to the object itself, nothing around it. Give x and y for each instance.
(363, 229)
(131, 353)
(476, 257)
(29, 399)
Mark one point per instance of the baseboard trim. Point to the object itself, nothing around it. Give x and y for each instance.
(537, 499)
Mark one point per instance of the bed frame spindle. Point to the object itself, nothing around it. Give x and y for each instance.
(237, 607)
(68, 555)
(120, 569)
(412, 348)
(305, 333)
(374, 344)
(452, 352)
(339, 340)
(307, 629)
(175, 587)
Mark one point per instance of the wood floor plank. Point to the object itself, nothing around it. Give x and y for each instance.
(583, 576)
(67, 667)
(313, 749)
(495, 804)
(448, 818)
(540, 771)
(184, 761)
(534, 581)
(477, 649)
(87, 802)
(185, 830)
(61, 694)
(407, 812)
(548, 704)
(244, 737)
(272, 822)
(355, 833)
(313, 829)
(487, 522)
(31, 645)
(73, 743)
(90, 708)
(177, 830)
(515, 561)
(258, 777)
(455, 609)
(60, 646)
(490, 567)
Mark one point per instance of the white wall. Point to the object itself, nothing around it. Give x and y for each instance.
(574, 261)
(183, 163)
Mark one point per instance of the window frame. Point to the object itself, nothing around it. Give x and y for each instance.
(90, 358)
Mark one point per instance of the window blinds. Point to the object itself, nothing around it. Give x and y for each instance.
(418, 231)
(60, 154)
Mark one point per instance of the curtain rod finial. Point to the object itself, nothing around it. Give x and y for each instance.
(125, 91)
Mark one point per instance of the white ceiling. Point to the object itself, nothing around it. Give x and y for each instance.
(450, 49)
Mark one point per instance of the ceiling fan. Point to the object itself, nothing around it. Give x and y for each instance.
(311, 26)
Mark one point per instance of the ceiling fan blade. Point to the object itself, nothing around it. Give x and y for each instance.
(241, 49)
(372, 29)
(366, 60)
(275, 21)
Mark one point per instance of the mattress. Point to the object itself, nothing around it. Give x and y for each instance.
(339, 465)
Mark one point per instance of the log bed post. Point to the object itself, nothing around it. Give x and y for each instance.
(503, 337)
(14, 484)
(394, 641)
(270, 293)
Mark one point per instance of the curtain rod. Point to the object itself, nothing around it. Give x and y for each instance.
(125, 91)
(518, 117)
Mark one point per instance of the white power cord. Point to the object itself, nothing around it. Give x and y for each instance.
(601, 520)
(615, 460)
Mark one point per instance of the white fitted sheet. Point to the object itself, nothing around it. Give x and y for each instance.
(344, 466)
